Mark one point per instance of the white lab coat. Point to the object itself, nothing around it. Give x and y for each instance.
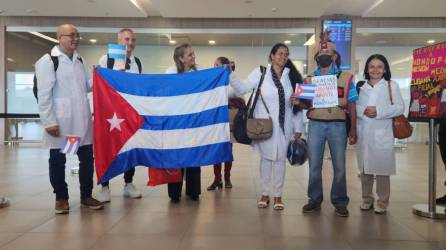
(275, 147)
(375, 151)
(63, 97)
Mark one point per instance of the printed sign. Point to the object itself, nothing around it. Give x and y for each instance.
(326, 95)
(428, 81)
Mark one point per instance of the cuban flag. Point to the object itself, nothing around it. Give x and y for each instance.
(160, 120)
(70, 144)
(305, 91)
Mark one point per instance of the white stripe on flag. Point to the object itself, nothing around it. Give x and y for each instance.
(178, 138)
(117, 51)
(178, 105)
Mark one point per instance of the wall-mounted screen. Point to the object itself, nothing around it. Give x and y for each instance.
(341, 35)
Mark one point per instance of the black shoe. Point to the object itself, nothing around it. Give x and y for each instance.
(341, 211)
(194, 197)
(311, 207)
(441, 200)
(215, 185)
(228, 183)
(175, 199)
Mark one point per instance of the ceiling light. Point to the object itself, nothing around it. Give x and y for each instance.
(406, 59)
(273, 9)
(310, 41)
(172, 42)
(212, 42)
(93, 40)
(430, 41)
(371, 7)
(139, 7)
(380, 42)
(287, 42)
(31, 11)
(44, 36)
(10, 59)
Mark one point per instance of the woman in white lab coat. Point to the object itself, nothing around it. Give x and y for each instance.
(375, 154)
(277, 88)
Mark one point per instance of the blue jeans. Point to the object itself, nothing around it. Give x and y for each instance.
(57, 172)
(335, 133)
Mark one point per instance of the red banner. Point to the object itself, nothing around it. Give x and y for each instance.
(428, 81)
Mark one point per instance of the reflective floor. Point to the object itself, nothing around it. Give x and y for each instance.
(222, 219)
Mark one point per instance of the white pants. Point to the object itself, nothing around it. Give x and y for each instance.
(275, 171)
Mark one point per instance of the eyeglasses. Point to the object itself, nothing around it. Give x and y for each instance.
(73, 35)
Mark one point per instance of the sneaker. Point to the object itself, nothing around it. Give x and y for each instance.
(341, 211)
(441, 200)
(4, 202)
(366, 206)
(130, 191)
(104, 194)
(311, 207)
(62, 207)
(92, 203)
(380, 210)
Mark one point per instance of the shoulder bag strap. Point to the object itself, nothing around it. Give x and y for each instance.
(390, 92)
(256, 97)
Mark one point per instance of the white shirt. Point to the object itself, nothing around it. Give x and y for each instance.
(63, 97)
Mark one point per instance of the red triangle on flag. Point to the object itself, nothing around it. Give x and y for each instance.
(107, 144)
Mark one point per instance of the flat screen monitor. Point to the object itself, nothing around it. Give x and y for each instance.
(341, 36)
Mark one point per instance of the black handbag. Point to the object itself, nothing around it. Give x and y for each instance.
(241, 118)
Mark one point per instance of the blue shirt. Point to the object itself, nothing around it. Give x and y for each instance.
(352, 93)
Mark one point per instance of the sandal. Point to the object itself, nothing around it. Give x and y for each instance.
(264, 202)
(278, 204)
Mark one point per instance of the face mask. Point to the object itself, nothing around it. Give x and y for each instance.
(324, 60)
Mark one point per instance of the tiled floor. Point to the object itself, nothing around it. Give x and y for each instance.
(224, 219)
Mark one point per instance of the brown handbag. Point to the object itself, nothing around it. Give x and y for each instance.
(259, 128)
(400, 125)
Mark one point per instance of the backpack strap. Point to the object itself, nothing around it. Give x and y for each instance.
(138, 62)
(110, 62)
(359, 86)
(55, 60)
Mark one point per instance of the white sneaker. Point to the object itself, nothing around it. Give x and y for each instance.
(380, 210)
(104, 194)
(366, 206)
(4, 202)
(130, 191)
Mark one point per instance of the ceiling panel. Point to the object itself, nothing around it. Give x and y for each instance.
(241, 8)
(409, 8)
(87, 8)
(389, 39)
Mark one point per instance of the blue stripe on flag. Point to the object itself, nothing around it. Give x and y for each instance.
(195, 120)
(306, 97)
(116, 46)
(172, 158)
(116, 56)
(163, 85)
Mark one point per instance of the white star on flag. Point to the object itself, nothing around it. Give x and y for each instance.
(115, 122)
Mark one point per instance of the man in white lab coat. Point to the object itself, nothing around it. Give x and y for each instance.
(64, 110)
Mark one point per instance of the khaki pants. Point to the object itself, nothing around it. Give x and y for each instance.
(382, 189)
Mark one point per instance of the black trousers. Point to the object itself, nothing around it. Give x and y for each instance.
(57, 172)
(128, 177)
(193, 183)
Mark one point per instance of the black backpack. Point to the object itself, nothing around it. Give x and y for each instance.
(55, 60)
(111, 63)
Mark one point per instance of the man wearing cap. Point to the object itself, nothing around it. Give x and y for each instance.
(329, 125)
